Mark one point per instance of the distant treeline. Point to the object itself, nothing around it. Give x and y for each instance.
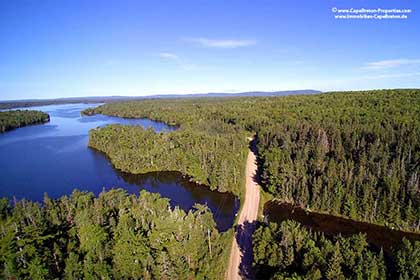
(108, 99)
(355, 154)
(23, 104)
(13, 119)
(114, 236)
(289, 251)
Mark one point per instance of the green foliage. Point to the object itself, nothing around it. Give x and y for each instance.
(13, 119)
(355, 154)
(288, 251)
(408, 260)
(114, 236)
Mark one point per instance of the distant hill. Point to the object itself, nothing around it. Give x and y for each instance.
(107, 99)
(239, 94)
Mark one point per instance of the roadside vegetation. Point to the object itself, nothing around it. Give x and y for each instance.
(353, 154)
(13, 119)
(289, 251)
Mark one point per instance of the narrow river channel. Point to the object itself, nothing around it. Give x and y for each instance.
(379, 236)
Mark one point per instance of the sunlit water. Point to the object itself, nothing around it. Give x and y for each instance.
(54, 158)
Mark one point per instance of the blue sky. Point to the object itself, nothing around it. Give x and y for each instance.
(96, 48)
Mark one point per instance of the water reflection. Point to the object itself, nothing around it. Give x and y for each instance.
(185, 194)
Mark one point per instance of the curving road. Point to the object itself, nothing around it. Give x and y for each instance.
(240, 262)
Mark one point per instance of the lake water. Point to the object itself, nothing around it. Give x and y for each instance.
(54, 158)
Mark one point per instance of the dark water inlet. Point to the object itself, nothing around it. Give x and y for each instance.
(54, 158)
(379, 236)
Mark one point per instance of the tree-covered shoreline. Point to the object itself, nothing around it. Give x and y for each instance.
(18, 118)
(289, 251)
(113, 236)
(213, 160)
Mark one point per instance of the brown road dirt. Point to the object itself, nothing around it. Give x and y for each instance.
(240, 261)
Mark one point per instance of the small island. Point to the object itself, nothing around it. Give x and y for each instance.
(18, 118)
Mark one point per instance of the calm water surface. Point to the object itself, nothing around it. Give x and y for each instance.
(54, 158)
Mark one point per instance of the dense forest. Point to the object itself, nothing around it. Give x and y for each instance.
(289, 251)
(355, 154)
(114, 236)
(13, 119)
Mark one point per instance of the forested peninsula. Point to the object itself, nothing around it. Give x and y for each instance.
(18, 118)
(214, 157)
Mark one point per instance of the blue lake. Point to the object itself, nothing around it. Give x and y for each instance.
(54, 158)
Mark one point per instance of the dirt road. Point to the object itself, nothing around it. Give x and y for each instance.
(240, 261)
